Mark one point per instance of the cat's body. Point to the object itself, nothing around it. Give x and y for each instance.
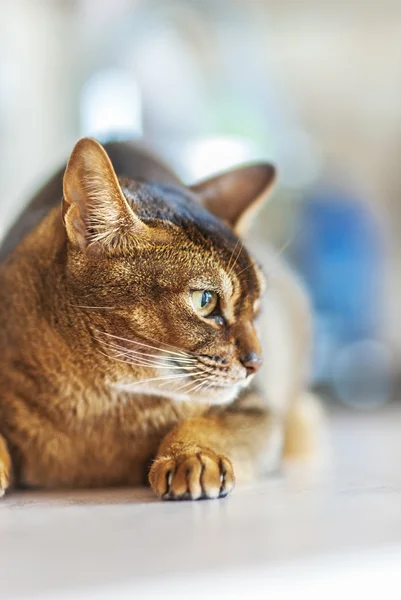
(70, 412)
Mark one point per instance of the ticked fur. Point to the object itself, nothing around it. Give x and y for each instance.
(105, 369)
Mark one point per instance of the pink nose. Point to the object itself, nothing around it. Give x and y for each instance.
(252, 362)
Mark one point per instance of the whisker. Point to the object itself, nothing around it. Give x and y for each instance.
(277, 254)
(146, 363)
(246, 268)
(195, 387)
(199, 378)
(232, 254)
(207, 368)
(120, 351)
(182, 390)
(144, 354)
(178, 360)
(181, 353)
(130, 362)
(185, 352)
(200, 373)
(284, 247)
(209, 385)
(171, 377)
(236, 259)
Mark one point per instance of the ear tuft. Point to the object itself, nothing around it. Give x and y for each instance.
(236, 195)
(95, 211)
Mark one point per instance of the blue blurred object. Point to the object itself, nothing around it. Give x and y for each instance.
(338, 252)
(339, 256)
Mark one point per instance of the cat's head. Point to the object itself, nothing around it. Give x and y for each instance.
(169, 292)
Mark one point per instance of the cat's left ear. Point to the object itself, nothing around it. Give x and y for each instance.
(235, 196)
(96, 215)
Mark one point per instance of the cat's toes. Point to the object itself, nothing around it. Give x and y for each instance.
(202, 474)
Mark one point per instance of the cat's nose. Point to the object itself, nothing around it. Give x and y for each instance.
(252, 362)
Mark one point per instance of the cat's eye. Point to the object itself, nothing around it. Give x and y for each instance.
(204, 302)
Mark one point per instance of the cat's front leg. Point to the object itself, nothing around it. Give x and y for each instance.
(202, 457)
(5, 467)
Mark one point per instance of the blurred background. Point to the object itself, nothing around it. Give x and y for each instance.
(314, 86)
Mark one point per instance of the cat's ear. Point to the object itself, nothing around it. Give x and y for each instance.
(236, 195)
(95, 212)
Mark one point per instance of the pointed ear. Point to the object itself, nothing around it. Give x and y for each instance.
(95, 212)
(236, 195)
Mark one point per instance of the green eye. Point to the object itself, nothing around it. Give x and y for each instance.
(204, 302)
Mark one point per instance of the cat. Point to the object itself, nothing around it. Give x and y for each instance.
(129, 311)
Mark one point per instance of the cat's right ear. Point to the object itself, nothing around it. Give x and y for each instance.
(96, 213)
(236, 195)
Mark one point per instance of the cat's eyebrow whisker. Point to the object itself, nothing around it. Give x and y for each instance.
(281, 251)
(284, 247)
(183, 354)
(246, 268)
(236, 259)
(232, 255)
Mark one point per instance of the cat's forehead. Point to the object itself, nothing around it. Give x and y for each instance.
(223, 250)
(179, 206)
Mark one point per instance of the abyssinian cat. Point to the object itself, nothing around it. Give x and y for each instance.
(129, 311)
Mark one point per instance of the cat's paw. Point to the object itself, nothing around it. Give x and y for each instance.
(191, 476)
(5, 468)
(4, 477)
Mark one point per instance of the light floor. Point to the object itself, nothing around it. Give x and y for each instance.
(317, 534)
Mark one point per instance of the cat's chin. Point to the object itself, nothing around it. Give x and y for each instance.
(213, 395)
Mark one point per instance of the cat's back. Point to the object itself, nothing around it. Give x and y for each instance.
(129, 160)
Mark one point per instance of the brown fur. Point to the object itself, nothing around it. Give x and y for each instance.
(96, 298)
